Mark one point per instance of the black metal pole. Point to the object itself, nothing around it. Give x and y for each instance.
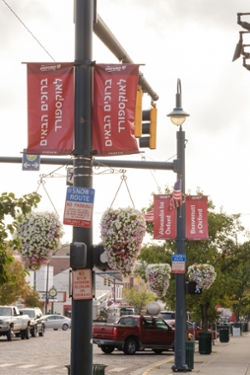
(47, 290)
(81, 331)
(180, 310)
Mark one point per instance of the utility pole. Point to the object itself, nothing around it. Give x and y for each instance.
(81, 331)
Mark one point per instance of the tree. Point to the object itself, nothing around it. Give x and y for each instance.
(32, 299)
(138, 300)
(15, 286)
(12, 207)
(236, 267)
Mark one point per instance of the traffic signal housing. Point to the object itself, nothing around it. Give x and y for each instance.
(138, 114)
(145, 123)
(193, 288)
(149, 124)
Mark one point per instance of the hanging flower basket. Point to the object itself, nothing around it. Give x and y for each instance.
(40, 235)
(122, 232)
(158, 276)
(203, 274)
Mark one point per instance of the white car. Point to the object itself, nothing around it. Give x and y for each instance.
(57, 321)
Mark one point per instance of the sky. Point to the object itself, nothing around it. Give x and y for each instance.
(193, 40)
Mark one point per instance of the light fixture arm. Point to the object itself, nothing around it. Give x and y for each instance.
(178, 116)
(245, 25)
(178, 94)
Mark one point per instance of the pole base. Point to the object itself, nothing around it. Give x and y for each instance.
(176, 368)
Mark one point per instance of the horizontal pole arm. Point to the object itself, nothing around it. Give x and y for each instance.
(157, 165)
(107, 37)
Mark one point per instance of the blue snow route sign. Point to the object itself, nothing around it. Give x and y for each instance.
(178, 257)
(79, 205)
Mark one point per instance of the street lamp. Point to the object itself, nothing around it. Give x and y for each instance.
(178, 117)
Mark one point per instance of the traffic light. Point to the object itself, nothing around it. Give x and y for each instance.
(149, 127)
(99, 258)
(138, 114)
(145, 123)
(193, 288)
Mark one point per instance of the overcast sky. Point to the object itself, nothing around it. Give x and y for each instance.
(193, 40)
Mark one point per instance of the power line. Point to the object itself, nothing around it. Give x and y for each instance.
(19, 19)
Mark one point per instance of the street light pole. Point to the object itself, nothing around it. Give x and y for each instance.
(178, 116)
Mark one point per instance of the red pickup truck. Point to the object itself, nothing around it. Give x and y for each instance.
(134, 332)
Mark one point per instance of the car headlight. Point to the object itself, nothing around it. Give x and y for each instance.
(4, 323)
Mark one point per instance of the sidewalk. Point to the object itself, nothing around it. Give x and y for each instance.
(230, 358)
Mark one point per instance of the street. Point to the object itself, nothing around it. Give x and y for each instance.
(49, 355)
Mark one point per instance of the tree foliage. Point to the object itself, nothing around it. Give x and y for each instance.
(138, 300)
(32, 299)
(16, 285)
(10, 208)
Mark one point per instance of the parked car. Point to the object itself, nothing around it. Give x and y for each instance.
(57, 321)
(133, 333)
(127, 311)
(195, 329)
(167, 316)
(37, 326)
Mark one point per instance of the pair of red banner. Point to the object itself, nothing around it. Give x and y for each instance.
(51, 109)
(165, 218)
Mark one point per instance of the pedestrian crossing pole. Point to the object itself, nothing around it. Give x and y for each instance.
(81, 330)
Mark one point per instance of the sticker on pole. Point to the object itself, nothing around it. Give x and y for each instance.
(178, 263)
(79, 205)
(82, 284)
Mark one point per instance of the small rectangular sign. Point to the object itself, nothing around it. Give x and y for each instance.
(79, 204)
(82, 284)
(178, 258)
(178, 263)
(30, 162)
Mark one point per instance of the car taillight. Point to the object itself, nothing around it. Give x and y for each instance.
(115, 331)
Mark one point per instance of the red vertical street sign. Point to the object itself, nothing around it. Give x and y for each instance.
(115, 89)
(50, 108)
(164, 218)
(196, 217)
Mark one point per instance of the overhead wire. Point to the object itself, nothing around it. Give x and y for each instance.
(33, 36)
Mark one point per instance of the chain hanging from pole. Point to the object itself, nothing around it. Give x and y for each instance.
(123, 179)
(42, 183)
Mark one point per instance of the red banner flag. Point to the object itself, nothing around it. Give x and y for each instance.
(196, 217)
(115, 88)
(50, 108)
(164, 218)
(149, 216)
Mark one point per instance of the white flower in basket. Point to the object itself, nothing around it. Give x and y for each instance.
(122, 232)
(203, 274)
(158, 276)
(40, 235)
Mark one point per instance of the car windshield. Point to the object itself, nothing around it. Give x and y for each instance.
(31, 313)
(5, 311)
(167, 315)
